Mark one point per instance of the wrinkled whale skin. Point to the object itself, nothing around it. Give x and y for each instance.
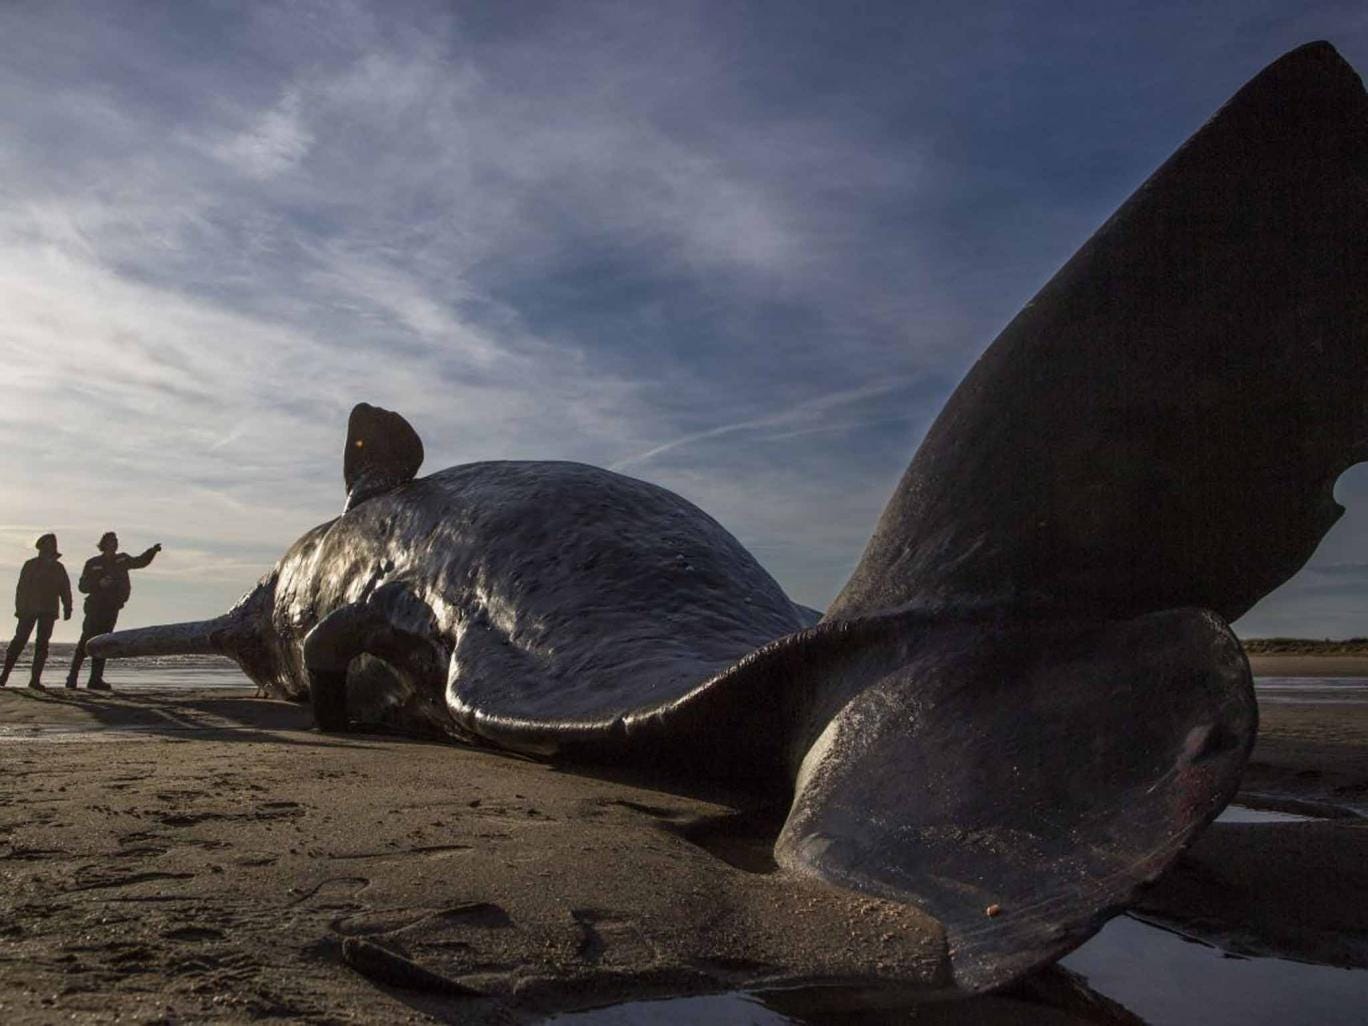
(547, 589)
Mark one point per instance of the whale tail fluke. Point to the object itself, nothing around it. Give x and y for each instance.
(1022, 780)
(1163, 424)
(1146, 450)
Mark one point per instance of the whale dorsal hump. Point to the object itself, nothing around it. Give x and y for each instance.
(383, 451)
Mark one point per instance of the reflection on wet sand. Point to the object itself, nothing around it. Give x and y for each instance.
(1150, 975)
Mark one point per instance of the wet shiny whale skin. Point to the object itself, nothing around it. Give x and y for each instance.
(1027, 699)
(540, 589)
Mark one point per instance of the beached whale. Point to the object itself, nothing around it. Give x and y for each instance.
(1027, 699)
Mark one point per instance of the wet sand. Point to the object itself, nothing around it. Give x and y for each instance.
(202, 857)
(207, 857)
(1300, 889)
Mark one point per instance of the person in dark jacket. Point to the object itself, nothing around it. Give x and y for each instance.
(104, 581)
(43, 583)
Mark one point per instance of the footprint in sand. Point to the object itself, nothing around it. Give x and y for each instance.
(193, 933)
(611, 939)
(482, 915)
(333, 887)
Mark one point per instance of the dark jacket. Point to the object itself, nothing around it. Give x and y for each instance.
(43, 583)
(104, 580)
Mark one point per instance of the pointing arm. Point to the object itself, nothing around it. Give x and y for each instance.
(138, 562)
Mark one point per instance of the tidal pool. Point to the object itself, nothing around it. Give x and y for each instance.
(1171, 980)
(1162, 977)
(1244, 814)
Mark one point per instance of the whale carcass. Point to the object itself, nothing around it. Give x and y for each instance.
(1027, 699)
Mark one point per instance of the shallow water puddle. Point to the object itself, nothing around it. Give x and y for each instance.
(709, 1010)
(1162, 977)
(1244, 814)
(1171, 980)
(787, 1008)
(1311, 690)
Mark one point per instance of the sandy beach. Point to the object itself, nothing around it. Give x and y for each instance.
(200, 857)
(205, 856)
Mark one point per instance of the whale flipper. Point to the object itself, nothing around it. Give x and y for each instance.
(368, 662)
(1163, 424)
(382, 452)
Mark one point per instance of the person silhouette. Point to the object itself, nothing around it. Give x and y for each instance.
(104, 582)
(43, 583)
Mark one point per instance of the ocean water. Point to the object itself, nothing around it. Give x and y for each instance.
(1311, 690)
(127, 677)
(154, 673)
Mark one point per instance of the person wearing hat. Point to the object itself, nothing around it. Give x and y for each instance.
(43, 584)
(104, 581)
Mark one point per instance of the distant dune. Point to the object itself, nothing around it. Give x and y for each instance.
(1305, 646)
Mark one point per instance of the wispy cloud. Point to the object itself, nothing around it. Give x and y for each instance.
(800, 417)
(276, 141)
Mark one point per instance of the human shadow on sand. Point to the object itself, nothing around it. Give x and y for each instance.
(58, 714)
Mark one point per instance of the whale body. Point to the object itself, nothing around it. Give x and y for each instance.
(1027, 700)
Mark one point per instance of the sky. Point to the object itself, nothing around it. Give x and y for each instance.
(741, 250)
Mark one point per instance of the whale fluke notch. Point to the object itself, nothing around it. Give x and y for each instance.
(1163, 424)
(382, 452)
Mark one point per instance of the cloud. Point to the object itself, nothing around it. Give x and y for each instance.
(800, 417)
(276, 142)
